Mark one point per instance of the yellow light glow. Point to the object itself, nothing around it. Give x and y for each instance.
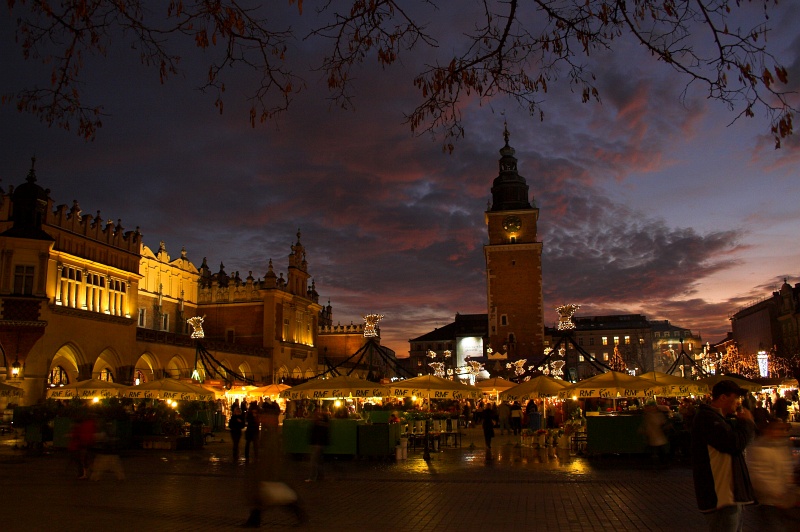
(96, 400)
(413, 397)
(337, 403)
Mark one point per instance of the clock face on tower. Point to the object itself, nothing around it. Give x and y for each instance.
(512, 224)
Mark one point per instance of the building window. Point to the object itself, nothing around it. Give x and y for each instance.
(627, 340)
(23, 280)
(580, 358)
(641, 341)
(165, 322)
(142, 317)
(503, 320)
(591, 340)
(616, 340)
(58, 377)
(657, 334)
(605, 357)
(605, 340)
(106, 375)
(230, 336)
(580, 340)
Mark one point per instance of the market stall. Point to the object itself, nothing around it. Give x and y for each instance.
(345, 434)
(617, 431)
(542, 388)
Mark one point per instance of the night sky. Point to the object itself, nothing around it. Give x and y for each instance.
(648, 203)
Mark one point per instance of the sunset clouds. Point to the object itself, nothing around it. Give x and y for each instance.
(648, 202)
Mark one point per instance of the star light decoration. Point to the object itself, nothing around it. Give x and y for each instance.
(438, 368)
(518, 365)
(565, 313)
(474, 367)
(197, 326)
(371, 325)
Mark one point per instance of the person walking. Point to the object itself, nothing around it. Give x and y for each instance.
(487, 422)
(504, 417)
(318, 439)
(771, 467)
(252, 431)
(235, 424)
(721, 431)
(516, 418)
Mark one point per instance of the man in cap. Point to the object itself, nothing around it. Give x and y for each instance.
(721, 431)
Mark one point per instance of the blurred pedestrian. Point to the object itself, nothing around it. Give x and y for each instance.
(769, 460)
(81, 441)
(236, 423)
(487, 422)
(318, 440)
(516, 418)
(252, 431)
(266, 486)
(721, 432)
(504, 417)
(653, 424)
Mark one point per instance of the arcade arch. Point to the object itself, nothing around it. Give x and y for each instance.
(64, 366)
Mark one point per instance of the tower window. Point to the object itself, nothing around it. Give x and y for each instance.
(503, 320)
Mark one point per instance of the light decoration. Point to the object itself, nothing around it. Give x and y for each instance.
(430, 354)
(196, 323)
(556, 368)
(474, 367)
(489, 351)
(763, 363)
(371, 325)
(565, 313)
(518, 365)
(447, 353)
(438, 368)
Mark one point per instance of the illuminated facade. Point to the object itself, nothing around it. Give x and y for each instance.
(80, 297)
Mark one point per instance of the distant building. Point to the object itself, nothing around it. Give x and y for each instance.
(464, 338)
(771, 325)
(80, 297)
(344, 350)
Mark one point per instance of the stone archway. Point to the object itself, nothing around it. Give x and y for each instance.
(282, 373)
(146, 369)
(106, 366)
(178, 368)
(245, 371)
(68, 361)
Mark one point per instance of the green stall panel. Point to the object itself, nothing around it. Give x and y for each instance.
(614, 435)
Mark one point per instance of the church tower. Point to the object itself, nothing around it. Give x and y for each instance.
(513, 266)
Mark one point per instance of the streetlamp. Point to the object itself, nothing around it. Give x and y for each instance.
(15, 367)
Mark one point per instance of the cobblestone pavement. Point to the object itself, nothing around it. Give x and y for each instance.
(462, 489)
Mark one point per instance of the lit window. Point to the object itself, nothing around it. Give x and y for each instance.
(605, 340)
(106, 375)
(627, 340)
(605, 357)
(616, 340)
(580, 358)
(58, 377)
